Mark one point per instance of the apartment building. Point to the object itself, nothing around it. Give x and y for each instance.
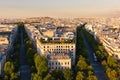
(59, 61)
(56, 45)
(109, 36)
(112, 49)
(68, 48)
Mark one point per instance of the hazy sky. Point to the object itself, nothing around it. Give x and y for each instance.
(60, 8)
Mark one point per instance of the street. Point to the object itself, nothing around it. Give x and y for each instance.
(97, 66)
(24, 68)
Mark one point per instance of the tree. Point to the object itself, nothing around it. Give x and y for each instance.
(90, 68)
(30, 56)
(90, 73)
(104, 63)
(112, 74)
(57, 74)
(68, 74)
(91, 77)
(80, 76)
(36, 77)
(41, 65)
(14, 76)
(48, 77)
(111, 61)
(8, 68)
(83, 62)
(6, 77)
(62, 41)
(29, 44)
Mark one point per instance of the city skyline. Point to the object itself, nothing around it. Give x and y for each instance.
(59, 8)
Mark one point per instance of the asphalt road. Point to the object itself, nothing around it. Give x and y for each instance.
(24, 68)
(97, 66)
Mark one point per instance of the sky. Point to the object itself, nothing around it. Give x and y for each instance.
(59, 8)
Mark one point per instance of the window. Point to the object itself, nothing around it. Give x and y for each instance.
(49, 63)
(116, 56)
(52, 67)
(52, 63)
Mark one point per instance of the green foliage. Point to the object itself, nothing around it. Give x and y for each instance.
(9, 71)
(48, 77)
(14, 76)
(68, 74)
(36, 77)
(83, 62)
(30, 56)
(112, 68)
(41, 65)
(112, 74)
(104, 63)
(28, 44)
(91, 77)
(8, 68)
(61, 41)
(57, 74)
(111, 61)
(6, 77)
(79, 76)
(90, 68)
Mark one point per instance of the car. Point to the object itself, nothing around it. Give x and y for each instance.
(95, 58)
